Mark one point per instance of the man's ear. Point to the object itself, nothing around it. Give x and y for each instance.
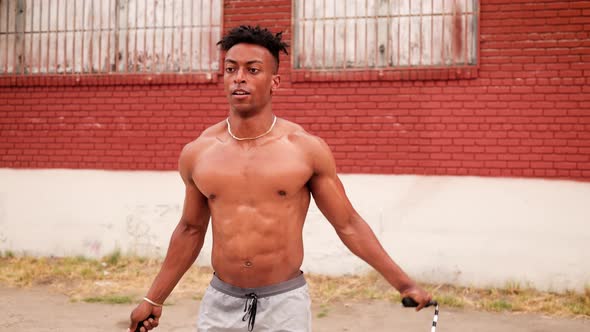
(276, 82)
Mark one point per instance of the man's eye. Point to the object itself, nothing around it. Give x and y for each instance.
(254, 70)
(230, 70)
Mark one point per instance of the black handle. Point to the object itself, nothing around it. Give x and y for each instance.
(409, 302)
(140, 324)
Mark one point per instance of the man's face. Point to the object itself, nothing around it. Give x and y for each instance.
(249, 77)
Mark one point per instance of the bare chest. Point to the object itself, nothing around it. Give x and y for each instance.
(231, 172)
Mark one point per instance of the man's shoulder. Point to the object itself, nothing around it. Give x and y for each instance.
(311, 143)
(298, 135)
(212, 132)
(314, 147)
(207, 137)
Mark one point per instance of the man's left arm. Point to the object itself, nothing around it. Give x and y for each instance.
(330, 197)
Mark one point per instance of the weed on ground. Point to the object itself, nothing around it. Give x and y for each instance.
(116, 279)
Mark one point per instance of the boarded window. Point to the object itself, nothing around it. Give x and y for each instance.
(102, 36)
(357, 34)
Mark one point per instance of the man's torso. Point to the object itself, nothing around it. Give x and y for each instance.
(258, 198)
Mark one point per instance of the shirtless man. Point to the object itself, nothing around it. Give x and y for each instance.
(253, 175)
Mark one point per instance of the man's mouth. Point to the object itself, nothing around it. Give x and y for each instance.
(240, 92)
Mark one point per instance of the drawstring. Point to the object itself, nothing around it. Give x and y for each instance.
(250, 308)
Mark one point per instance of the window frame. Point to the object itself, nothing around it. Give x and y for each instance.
(117, 77)
(452, 72)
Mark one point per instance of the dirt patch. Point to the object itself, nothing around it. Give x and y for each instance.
(41, 309)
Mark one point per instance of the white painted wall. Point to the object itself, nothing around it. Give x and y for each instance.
(461, 230)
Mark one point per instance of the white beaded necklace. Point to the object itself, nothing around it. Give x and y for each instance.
(274, 121)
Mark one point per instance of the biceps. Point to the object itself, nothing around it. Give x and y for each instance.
(195, 212)
(330, 197)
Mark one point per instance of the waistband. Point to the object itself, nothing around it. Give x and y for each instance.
(264, 291)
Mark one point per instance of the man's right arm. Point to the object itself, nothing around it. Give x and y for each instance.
(188, 237)
(186, 241)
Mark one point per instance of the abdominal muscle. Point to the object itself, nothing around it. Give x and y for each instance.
(257, 245)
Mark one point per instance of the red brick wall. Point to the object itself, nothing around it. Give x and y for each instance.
(526, 114)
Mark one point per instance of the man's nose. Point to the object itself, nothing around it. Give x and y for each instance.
(240, 76)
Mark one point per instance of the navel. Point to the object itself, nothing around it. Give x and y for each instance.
(212, 196)
(248, 264)
(282, 193)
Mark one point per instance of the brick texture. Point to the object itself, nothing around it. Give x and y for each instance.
(526, 114)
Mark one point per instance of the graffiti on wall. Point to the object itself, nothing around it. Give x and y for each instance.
(147, 227)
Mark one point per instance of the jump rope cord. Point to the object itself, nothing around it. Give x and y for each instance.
(435, 319)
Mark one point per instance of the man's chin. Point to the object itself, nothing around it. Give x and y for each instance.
(243, 108)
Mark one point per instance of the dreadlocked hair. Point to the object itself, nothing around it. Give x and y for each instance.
(257, 36)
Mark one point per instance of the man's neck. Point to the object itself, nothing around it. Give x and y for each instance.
(248, 125)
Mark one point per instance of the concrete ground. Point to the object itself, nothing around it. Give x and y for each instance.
(40, 310)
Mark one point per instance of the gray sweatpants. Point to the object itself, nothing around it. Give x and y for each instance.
(284, 307)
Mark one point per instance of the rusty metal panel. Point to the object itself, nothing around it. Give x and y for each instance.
(8, 35)
(104, 36)
(355, 34)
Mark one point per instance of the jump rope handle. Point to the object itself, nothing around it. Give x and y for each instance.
(409, 302)
(140, 324)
